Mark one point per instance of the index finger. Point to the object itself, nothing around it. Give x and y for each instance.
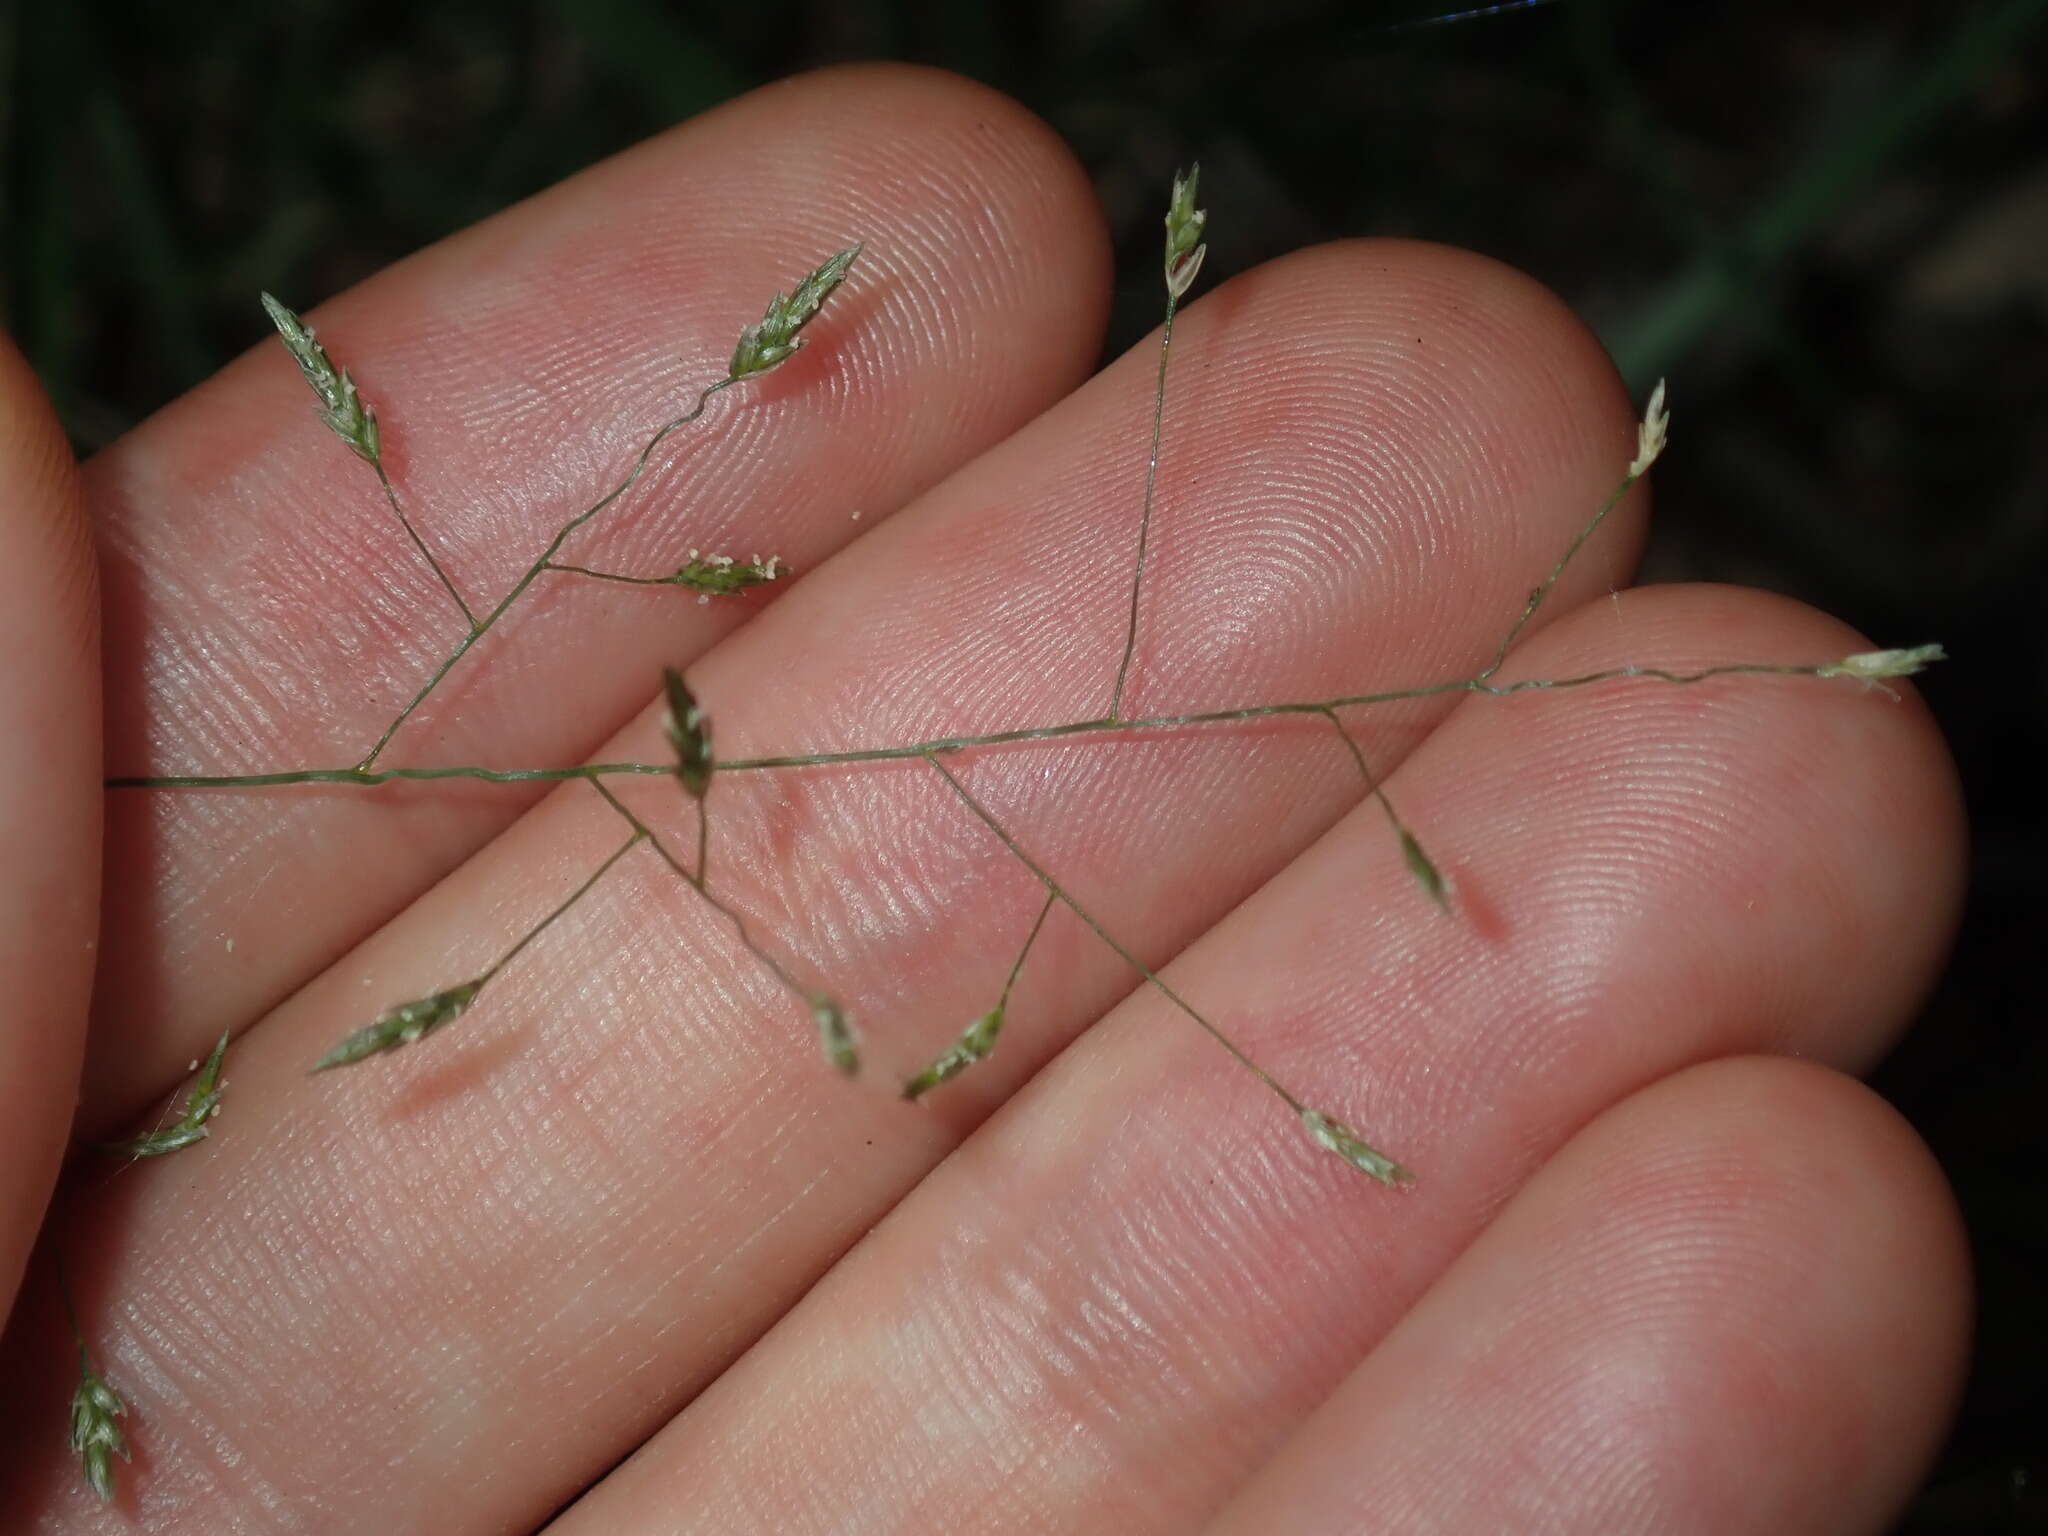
(49, 804)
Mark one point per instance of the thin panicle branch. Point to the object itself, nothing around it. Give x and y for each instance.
(533, 571)
(835, 1033)
(1425, 872)
(1651, 435)
(410, 1022)
(708, 576)
(762, 346)
(1059, 893)
(1133, 729)
(1185, 224)
(1328, 1132)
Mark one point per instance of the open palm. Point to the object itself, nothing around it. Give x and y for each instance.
(1655, 1276)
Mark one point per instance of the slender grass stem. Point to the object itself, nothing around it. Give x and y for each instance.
(574, 896)
(1123, 669)
(1031, 938)
(1543, 591)
(70, 1302)
(631, 581)
(1059, 893)
(696, 883)
(412, 1021)
(1426, 874)
(479, 629)
(1372, 783)
(703, 845)
(363, 777)
(420, 544)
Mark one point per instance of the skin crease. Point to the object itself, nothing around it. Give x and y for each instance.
(1101, 1283)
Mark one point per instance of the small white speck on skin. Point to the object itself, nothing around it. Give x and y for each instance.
(231, 946)
(192, 1066)
(855, 516)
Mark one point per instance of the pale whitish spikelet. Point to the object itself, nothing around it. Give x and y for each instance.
(1335, 1136)
(1871, 667)
(1651, 435)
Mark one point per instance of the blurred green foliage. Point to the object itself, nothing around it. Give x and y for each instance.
(1825, 219)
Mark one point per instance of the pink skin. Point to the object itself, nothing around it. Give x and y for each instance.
(446, 1291)
(258, 615)
(49, 805)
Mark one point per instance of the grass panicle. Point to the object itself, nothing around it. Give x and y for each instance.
(763, 346)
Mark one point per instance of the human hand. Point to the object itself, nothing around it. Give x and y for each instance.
(1653, 1277)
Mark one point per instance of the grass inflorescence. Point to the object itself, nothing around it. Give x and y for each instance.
(687, 721)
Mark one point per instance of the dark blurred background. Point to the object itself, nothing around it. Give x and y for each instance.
(1825, 219)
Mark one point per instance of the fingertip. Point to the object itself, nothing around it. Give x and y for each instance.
(1737, 1301)
(1815, 1248)
(49, 799)
(1838, 879)
(1465, 422)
